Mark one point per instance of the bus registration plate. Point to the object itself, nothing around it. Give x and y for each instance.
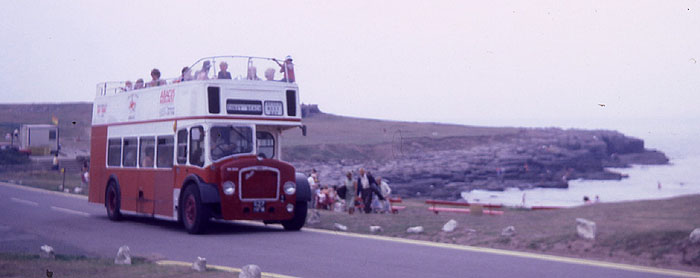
(258, 206)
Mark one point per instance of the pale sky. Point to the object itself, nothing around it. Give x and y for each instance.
(449, 61)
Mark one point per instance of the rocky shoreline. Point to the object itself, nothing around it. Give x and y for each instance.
(442, 168)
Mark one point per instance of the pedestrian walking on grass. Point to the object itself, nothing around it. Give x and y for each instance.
(368, 187)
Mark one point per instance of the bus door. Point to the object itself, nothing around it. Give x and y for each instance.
(146, 175)
(164, 176)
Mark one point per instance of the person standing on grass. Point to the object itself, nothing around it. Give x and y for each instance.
(368, 188)
(350, 193)
(314, 185)
(386, 191)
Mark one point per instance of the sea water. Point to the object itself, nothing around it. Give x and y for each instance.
(678, 139)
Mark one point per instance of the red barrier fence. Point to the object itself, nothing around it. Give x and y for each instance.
(434, 207)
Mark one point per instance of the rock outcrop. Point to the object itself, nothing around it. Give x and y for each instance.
(444, 167)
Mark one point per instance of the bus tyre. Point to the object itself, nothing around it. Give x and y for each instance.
(299, 218)
(113, 201)
(195, 216)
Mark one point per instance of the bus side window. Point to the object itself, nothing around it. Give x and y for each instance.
(165, 151)
(129, 153)
(197, 146)
(114, 152)
(182, 146)
(147, 152)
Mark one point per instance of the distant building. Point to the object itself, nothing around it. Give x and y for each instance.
(39, 139)
(309, 109)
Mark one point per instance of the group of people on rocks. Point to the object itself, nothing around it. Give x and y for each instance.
(357, 191)
(286, 68)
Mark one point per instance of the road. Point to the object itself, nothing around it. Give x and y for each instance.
(30, 218)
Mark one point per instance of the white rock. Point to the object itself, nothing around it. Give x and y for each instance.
(585, 228)
(508, 231)
(449, 226)
(375, 229)
(200, 264)
(47, 252)
(250, 271)
(695, 236)
(340, 227)
(415, 230)
(66, 190)
(123, 255)
(314, 217)
(78, 189)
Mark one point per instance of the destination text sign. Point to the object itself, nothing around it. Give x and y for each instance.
(244, 107)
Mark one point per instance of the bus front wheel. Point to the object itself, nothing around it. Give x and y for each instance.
(299, 218)
(113, 202)
(194, 214)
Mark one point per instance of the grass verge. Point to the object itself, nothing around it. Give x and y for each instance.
(651, 233)
(22, 265)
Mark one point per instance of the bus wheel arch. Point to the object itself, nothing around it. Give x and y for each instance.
(113, 199)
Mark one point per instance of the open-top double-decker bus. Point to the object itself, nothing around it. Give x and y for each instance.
(193, 149)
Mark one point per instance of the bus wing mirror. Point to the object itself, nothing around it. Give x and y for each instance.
(303, 130)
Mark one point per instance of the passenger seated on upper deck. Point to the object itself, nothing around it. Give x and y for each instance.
(253, 73)
(139, 84)
(203, 74)
(155, 74)
(128, 86)
(223, 74)
(270, 74)
(186, 75)
(287, 68)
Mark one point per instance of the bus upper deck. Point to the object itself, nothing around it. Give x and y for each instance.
(204, 95)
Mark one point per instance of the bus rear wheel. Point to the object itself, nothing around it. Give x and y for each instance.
(195, 217)
(113, 202)
(299, 218)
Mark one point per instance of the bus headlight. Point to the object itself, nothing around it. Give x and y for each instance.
(290, 188)
(229, 187)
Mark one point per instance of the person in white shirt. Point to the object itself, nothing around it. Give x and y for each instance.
(315, 187)
(367, 187)
(386, 191)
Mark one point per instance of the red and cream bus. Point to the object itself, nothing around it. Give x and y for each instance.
(196, 149)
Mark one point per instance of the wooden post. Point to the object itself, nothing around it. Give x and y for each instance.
(63, 183)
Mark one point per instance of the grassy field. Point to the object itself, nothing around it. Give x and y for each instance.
(333, 129)
(50, 180)
(653, 233)
(24, 266)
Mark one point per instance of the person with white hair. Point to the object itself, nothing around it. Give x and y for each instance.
(270, 74)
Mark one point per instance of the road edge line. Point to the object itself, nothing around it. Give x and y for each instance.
(219, 267)
(579, 261)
